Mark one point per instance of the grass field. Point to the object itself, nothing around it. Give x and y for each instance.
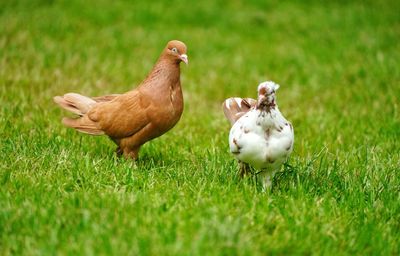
(62, 192)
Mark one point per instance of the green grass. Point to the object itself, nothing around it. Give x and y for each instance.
(62, 192)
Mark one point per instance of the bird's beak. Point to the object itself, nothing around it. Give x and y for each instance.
(184, 58)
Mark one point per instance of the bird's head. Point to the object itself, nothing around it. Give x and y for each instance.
(176, 51)
(266, 94)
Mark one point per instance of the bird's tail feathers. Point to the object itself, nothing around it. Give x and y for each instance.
(75, 103)
(236, 107)
(82, 124)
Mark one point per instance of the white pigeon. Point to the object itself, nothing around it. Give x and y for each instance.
(260, 135)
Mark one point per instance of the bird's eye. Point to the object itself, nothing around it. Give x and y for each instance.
(174, 49)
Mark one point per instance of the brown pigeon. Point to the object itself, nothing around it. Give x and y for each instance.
(133, 118)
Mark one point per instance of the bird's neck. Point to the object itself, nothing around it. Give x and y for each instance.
(269, 113)
(270, 117)
(165, 72)
(267, 104)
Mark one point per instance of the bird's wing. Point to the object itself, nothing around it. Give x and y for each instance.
(236, 107)
(123, 116)
(105, 98)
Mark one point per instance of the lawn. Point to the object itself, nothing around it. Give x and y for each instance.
(63, 192)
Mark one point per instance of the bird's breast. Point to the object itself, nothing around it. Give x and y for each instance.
(259, 145)
(176, 100)
(167, 110)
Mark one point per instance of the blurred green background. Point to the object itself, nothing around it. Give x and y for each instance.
(338, 66)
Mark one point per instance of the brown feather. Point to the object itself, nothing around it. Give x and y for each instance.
(75, 103)
(235, 107)
(82, 124)
(105, 98)
(65, 105)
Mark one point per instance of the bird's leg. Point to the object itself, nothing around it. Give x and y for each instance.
(267, 182)
(244, 169)
(119, 151)
(131, 153)
(266, 179)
